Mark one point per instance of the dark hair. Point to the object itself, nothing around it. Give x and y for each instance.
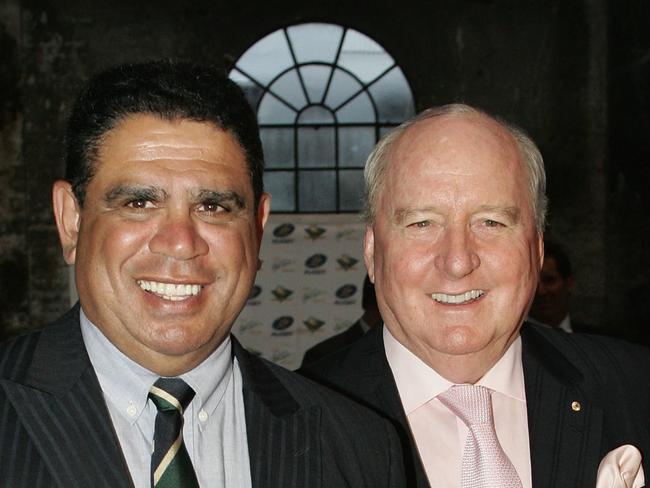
(562, 263)
(168, 89)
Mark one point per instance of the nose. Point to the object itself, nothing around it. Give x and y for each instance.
(457, 256)
(178, 237)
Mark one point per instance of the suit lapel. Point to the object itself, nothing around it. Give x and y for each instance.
(283, 438)
(377, 388)
(565, 427)
(60, 404)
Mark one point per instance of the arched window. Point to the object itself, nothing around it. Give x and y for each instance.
(323, 95)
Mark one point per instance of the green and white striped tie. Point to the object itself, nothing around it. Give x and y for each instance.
(171, 466)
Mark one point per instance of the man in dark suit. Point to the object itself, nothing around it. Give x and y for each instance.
(370, 319)
(140, 384)
(552, 300)
(455, 211)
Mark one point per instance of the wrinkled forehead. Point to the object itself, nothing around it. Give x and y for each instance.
(459, 141)
(458, 145)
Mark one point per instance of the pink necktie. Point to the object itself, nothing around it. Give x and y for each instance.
(484, 465)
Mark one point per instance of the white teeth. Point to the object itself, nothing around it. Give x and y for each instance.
(170, 291)
(456, 299)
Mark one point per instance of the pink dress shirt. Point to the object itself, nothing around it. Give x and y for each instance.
(439, 434)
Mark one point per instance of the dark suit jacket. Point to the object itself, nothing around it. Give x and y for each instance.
(55, 429)
(609, 378)
(333, 344)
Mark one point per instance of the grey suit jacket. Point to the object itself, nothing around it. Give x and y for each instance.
(55, 429)
(609, 379)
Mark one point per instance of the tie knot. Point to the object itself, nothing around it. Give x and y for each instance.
(472, 404)
(171, 394)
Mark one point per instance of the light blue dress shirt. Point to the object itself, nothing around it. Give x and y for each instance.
(214, 431)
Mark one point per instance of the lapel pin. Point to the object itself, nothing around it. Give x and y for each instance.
(575, 406)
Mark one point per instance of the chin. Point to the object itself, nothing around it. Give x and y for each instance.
(176, 341)
(462, 340)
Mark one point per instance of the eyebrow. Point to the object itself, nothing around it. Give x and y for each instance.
(150, 193)
(155, 194)
(514, 213)
(220, 197)
(402, 214)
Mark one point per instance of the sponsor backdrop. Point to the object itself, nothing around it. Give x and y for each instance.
(309, 286)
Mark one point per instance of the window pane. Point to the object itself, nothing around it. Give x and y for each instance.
(272, 111)
(363, 56)
(343, 87)
(359, 109)
(281, 186)
(315, 42)
(350, 189)
(316, 115)
(252, 91)
(315, 78)
(288, 88)
(317, 191)
(355, 144)
(266, 58)
(278, 147)
(316, 147)
(393, 97)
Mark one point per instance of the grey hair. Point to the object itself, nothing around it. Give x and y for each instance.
(377, 162)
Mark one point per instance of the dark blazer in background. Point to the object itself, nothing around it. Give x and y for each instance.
(609, 379)
(55, 429)
(333, 344)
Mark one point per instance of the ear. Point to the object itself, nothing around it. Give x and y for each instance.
(540, 250)
(263, 211)
(369, 252)
(67, 217)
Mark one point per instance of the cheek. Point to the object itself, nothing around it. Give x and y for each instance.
(115, 242)
(405, 262)
(234, 247)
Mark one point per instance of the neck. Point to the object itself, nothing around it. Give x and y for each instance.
(462, 367)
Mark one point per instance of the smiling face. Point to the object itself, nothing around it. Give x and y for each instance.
(166, 244)
(453, 250)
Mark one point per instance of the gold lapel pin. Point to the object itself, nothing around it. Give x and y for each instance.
(575, 406)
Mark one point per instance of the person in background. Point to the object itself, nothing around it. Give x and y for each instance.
(553, 296)
(455, 210)
(370, 318)
(141, 384)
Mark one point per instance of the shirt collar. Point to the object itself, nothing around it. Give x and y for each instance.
(418, 383)
(126, 384)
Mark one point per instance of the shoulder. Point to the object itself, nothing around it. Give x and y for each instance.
(599, 362)
(310, 394)
(20, 353)
(359, 358)
(583, 347)
(333, 344)
(16, 355)
(276, 385)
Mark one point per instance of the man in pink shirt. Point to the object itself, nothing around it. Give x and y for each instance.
(455, 211)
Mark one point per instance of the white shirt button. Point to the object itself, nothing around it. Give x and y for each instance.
(203, 415)
(131, 411)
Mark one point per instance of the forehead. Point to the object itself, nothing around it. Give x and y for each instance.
(175, 143)
(463, 144)
(465, 158)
